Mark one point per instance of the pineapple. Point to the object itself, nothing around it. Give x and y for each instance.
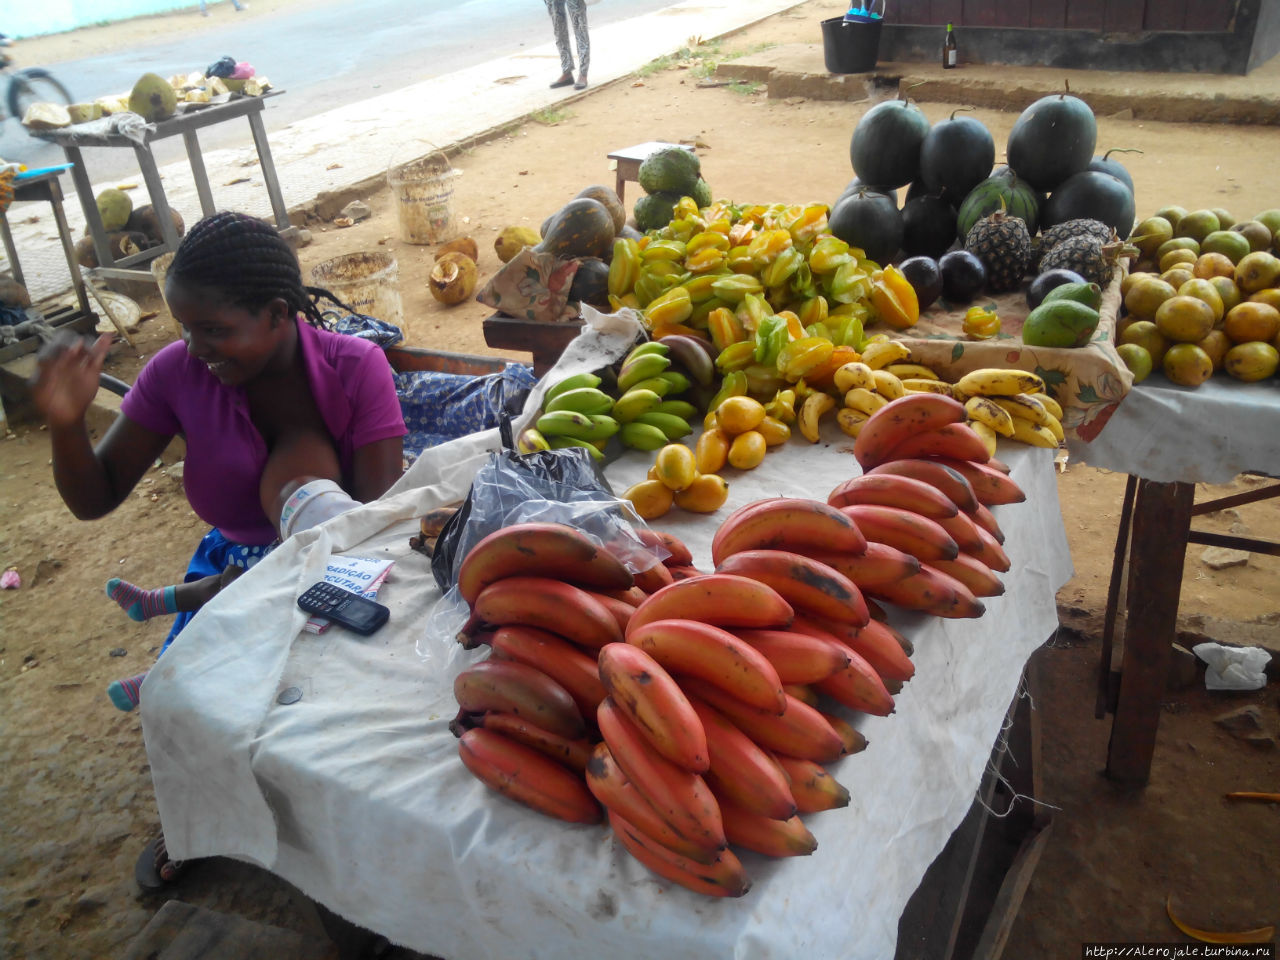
(1087, 256)
(1003, 245)
(1080, 227)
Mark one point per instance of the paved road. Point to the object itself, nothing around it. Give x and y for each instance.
(324, 56)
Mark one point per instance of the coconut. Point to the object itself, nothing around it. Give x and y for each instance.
(453, 278)
(152, 98)
(114, 207)
(514, 239)
(144, 220)
(46, 116)
(84, 112)
(465, 245)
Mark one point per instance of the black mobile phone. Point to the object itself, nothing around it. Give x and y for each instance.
(344, 607)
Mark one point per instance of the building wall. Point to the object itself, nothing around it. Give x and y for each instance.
(1113, 16)
(55, 16)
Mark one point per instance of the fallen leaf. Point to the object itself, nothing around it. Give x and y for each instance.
(511, 79)
(1259, 935)
(343, 222)
(126, 186)
(333, 166)
(232, 183)
(523, 173)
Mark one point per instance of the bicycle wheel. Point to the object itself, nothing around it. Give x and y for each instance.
(34, 85)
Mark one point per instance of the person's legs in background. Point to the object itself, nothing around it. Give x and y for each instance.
(577, 10)
(560, 24)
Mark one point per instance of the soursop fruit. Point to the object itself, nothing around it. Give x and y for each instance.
(654, 211)
(673, 170)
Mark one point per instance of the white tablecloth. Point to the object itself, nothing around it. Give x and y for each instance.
(1208, 434)
(355, 793)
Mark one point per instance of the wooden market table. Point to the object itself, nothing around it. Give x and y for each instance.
(37, 185)
(187, 125)
(336, 769)
(627, 161)
(546, 341)
(1168, 438)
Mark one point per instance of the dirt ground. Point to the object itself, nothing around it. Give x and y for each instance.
(78, 800)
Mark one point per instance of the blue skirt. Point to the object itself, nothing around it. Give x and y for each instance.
(213, 555)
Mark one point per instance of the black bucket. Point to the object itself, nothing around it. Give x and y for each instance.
(850, 46)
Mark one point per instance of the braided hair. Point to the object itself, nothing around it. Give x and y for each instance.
(247, 261)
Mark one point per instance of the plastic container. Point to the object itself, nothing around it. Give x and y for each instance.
(850, 46)
(368, 283)
(423, 190)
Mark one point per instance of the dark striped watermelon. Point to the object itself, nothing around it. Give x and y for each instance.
(1019, 201)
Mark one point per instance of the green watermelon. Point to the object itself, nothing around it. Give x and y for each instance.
(1019, 199)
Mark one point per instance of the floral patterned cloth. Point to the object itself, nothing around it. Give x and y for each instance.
(1089, 382)
(444, 406)
(533, 286)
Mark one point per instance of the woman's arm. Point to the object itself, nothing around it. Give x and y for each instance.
(376, 466)
(92, 482)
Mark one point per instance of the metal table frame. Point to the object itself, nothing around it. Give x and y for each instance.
(185, 125)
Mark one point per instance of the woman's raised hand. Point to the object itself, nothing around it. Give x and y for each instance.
(66, 378)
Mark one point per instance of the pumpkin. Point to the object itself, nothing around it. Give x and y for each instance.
(1052, 139)
(591, 283)
(581, 228)
(870, 221)
(1093, 196)
(956, 156)
(1018, 197)
(609, 198)
(885, 148)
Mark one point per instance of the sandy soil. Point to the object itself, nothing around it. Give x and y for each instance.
(78, 799)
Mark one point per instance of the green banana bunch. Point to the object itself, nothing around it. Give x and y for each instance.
(588, 400)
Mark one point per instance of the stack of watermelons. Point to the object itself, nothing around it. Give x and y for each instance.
(665, 176)
(1052, 177)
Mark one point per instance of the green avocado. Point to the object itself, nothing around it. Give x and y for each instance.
(1060, 323)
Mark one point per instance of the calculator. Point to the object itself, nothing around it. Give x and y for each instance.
(344, 607)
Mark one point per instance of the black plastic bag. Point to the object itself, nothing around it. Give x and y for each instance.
(553, 486)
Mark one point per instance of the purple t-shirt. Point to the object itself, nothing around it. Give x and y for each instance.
(353, 388)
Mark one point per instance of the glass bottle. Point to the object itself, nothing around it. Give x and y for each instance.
(949, 49)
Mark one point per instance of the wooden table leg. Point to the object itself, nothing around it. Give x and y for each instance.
(196, 159)
(68, 247)
(268, 168)
(89, 204)
(155, 190)
(1161, 522)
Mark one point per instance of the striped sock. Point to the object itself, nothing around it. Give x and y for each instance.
(126, 694)
(139, 604)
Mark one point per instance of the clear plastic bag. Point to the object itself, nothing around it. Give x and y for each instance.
(550, 486)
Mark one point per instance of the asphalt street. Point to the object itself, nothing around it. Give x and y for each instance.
(325, 56)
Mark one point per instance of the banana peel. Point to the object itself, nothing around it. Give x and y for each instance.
(1259, 935)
